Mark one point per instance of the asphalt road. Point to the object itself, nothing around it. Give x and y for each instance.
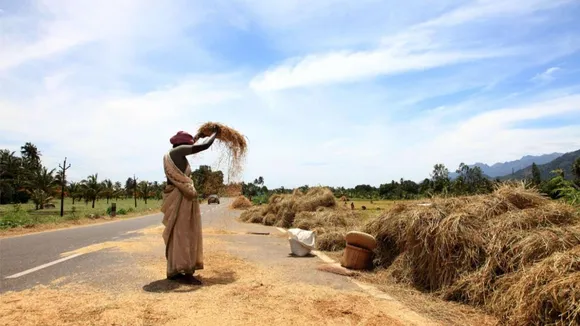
(21, 253)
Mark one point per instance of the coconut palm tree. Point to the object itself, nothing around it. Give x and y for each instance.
(9, 170)
(40, 198)
(42, 185)
(107, 189)
(144, 190)
(91, 188)
(74, 191)
(118, 190)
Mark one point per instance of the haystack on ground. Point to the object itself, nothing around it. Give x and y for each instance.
(465, 248)
(241, 202)
(315, 210)
(233, 146)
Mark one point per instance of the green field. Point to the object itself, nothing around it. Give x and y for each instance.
(25, 215)
(375, 208)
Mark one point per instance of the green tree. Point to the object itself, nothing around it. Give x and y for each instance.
(576, 171)
(118, 190)
(43, 186)
(10, 166)
(144, 190)
(74, 191)
(107, 189)
(91, 188)
(536, 175)
(440, 178)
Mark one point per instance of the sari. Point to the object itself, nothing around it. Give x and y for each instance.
(182, 221)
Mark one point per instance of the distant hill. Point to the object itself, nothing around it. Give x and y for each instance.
(506, 168)
(563, 162)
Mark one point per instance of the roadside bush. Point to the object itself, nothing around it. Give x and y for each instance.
(122, 211)
(17, 217)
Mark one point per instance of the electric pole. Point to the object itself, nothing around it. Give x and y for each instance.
(63, 167)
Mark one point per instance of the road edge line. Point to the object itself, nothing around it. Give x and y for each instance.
(37, 268)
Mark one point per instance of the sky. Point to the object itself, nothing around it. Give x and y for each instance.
(334, 93)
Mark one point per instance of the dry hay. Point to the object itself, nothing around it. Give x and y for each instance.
(461, 248)
(441, 248)
(331, 241)
(234, 293)
(547, 293)
(241, 202)
(233, 146)
(390, 232)
(325, 218)
(282, 210)
(249, 214)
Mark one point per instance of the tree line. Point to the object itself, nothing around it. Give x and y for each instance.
(469, 181)
(23, 178)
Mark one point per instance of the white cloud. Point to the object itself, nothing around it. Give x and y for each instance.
(423, 46)
(349, 67)
(547, 75)
(109, 96)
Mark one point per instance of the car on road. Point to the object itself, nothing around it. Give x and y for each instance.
(213, 199)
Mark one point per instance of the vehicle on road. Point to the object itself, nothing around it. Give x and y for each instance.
(213, 199)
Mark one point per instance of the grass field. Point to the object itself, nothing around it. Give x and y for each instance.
(24, 215)
(375, 208)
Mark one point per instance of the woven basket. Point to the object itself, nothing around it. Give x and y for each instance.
(356, 257)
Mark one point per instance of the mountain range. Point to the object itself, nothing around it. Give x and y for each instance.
(505, 169)
(563, 162)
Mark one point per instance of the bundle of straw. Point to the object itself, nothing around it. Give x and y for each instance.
(233, 145)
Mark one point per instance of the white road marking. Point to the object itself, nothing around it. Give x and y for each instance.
(281, 230)
(43, 266)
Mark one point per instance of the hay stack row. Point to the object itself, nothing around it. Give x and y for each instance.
(514, 252)
(317, 210)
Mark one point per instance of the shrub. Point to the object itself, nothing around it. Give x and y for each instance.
(15, 218)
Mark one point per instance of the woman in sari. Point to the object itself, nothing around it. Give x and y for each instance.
(182, 216)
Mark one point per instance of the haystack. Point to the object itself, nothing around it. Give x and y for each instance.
(315, 210)
(546, 294)
(331, 241)
(233, 146)
(466, 249)
(241, 202)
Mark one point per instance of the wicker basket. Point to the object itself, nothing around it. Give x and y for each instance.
(356, 258)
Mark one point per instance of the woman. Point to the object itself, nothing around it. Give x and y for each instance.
(182, 217)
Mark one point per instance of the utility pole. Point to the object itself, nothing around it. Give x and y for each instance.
(135, 189)
(63, 167)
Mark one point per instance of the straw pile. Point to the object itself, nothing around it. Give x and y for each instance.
(513, 252)
(233, 147)
(241, 202)
(316, 210)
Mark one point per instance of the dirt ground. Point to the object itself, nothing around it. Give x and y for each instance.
(234, 292)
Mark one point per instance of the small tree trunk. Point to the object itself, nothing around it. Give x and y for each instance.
(93, 202)
(73, 200)
(107, 200)
(145, 198)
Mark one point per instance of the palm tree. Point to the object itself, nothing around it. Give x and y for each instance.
(43, 186)
(145, 190)
(107, 189)
(118, 190)
(9, 171)
(91, 188)
(40, 198)
(74, 191)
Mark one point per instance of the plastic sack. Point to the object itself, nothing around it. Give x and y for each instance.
(301, 241)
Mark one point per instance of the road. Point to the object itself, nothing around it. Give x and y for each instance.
(22, 253)
(246, 264)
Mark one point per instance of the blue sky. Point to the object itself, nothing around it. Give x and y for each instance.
(328, 92)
